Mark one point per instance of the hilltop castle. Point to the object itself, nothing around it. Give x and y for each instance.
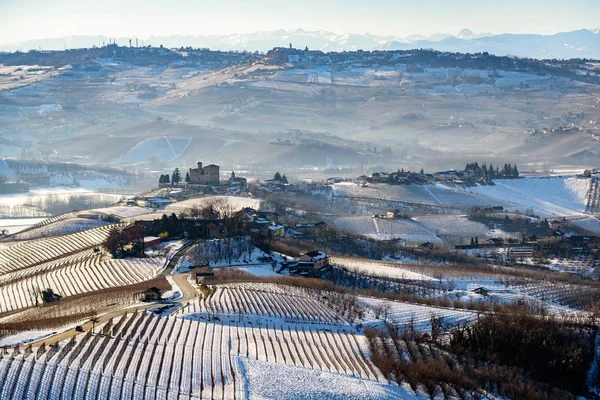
(207, 175)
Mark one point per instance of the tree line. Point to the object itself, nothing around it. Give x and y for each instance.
(174, 178)
(487, 173)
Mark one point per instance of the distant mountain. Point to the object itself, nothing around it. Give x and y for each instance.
(576, 44)
(582, 43)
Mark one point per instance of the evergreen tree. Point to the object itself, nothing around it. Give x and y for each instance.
(422, 171)
(167, 180)
(515, 173)
(277, 177)
(161, 179)
(476, 240)
(187, 177)
(284, 179)
(176, 178)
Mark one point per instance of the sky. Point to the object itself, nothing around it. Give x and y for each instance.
(22, 20)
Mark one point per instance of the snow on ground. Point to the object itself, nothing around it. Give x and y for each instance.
(62, 227)
(379, 268)
(14, 225)
(174, 293)
(548, 196)
(121, 211)
(259, 270)
(388, 229)
(457, 229)
(237, 202)
(60, 193)
(223, 253)
(262, 380)
(431, 194)
(403, 314)
(22, 338)
(591, 224)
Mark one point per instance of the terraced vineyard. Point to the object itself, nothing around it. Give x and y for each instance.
(63, 226)
(69, 265)
(27, 254)
(267, 300)
(80, 273)
(148, 357)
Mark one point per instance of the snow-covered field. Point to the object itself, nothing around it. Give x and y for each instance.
(591, 224)
(458, 229)
(270, 381)
(40, 196)
(121, 211)
(14, 225)
(387, 229)
(380, 268)
(548, 196)
(431, 194)
(237, 203)
(405, 315)
(62, 227)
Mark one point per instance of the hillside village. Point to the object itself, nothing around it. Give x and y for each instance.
(206, 224)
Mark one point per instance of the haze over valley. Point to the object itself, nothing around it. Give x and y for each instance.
(190, 213)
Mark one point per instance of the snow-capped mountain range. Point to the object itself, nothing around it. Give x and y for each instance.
(583, 43)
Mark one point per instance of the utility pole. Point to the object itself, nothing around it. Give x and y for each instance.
(94, 319)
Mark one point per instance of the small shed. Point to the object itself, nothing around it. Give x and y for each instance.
(151, 294)
(201, 272)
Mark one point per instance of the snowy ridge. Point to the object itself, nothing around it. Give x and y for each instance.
(548, 196)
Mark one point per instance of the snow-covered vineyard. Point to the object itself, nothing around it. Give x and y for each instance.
(444, 281)
(69, 265)
(148, 357)
(267, 300)
(413, 316)
(72, 278)
(26, 254)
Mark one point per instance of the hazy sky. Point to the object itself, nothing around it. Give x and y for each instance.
(36, 19)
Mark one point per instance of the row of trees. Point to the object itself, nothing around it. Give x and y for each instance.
(280, 178)
(175, 177)
(488, 173)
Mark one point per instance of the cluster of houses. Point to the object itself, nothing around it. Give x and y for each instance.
(303, 187)
(266, 225)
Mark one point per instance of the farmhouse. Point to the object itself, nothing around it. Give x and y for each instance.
(207, 175)
(310, 229)
(276, 232)
(313, 262)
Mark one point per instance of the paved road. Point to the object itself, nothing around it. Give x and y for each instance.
(188, 293)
